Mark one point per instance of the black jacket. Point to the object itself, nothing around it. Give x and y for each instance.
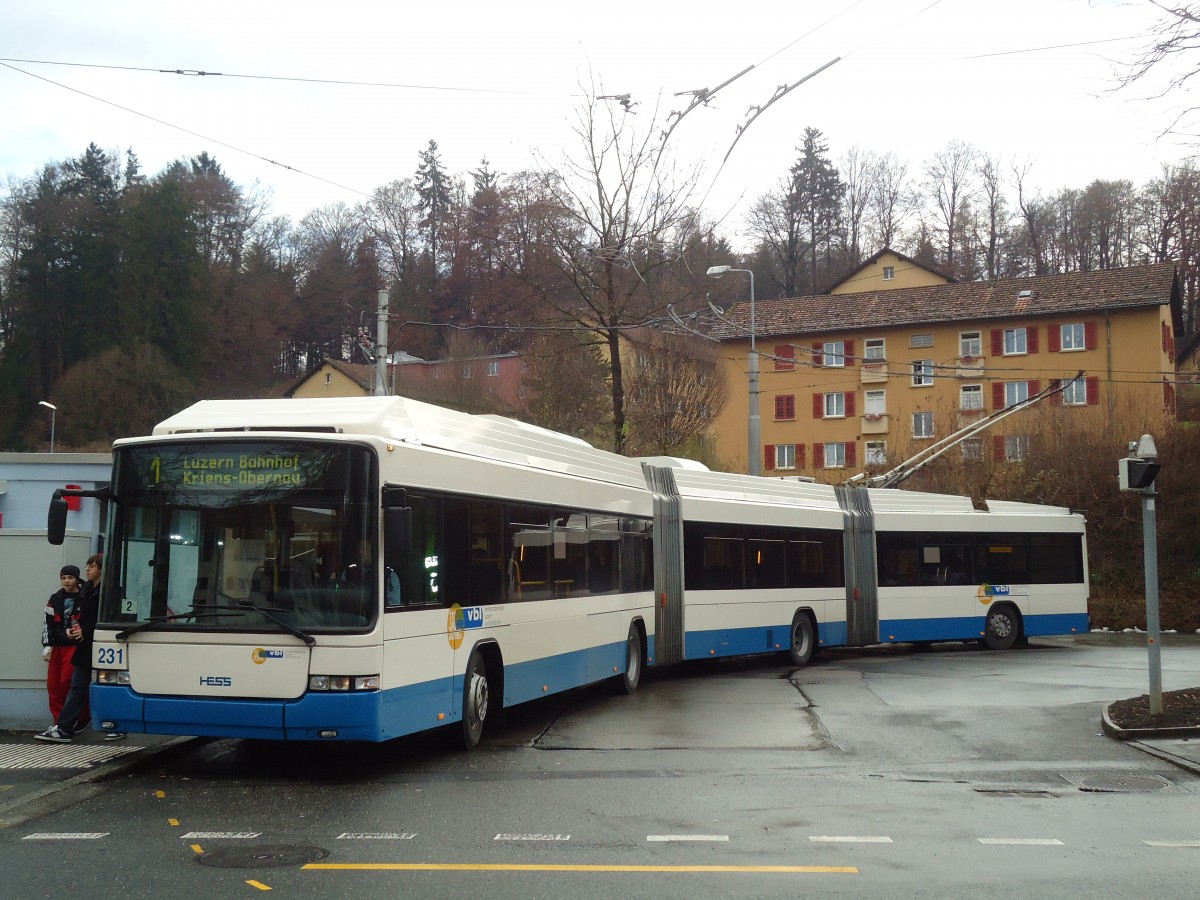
(89, 610)
(61, 608)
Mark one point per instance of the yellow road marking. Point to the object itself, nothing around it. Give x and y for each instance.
(173, 821)
(197, 848)
(502, 867)
(160, 794)
(259, 885)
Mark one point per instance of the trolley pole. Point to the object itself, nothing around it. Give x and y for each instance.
(381, 346)
(1137, 474)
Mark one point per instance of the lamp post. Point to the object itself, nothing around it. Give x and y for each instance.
(53, 413)
(754, 457)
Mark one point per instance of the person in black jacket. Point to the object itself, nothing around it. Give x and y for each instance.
(62, 612)
(73, 717)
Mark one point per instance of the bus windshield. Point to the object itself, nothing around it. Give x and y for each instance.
(243, 535)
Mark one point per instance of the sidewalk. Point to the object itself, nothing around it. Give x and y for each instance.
(37, 777)
(1178, 746)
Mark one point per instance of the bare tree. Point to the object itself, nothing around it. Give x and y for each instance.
(676, 389)
(994, 216)
(1032, 217)
(624, 217)
(860, 170)
(892, 202)
(950, 178)
(1172, 54)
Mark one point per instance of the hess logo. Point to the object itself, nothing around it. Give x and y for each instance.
(216, 681)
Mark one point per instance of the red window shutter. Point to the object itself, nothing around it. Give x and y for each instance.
(1031, 340)
(1035, 387)
(818, 406)
(851, 453)
(849, 359)
(785, 356)
(818, 354)
(1054, 338)
(1167, 391)
(1093, 389)
(818, 455)
(1089, 335)
(1163, 325)
(997, 395)
(769, 456)
(800, 456)
(785, 406)
(850, 403)
(1171, 347)
(997, 342)
(998, 447)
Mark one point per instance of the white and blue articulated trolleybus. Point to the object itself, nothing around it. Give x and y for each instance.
(361, 569)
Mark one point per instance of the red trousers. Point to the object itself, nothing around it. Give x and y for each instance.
(58, 678)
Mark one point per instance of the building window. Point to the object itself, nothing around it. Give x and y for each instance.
(970, 396)
(1075, 392)
(644, 360)
(920, 340)
(1016, 447)
(329, 378)
(785, 406)
(970, 345)
(835, 456)
(889, 272)
(1073, 338)
(785, 456)
(873, 350)
(876, 403)
(1015, 392)
(835, 405)
(876, 453)
(1014, 341)
(972, 448)
(493, 368)
(466, 371)
(833, 354)
(922, 424)
(922, 372)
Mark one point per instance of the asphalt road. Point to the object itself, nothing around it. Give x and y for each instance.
(886, 773)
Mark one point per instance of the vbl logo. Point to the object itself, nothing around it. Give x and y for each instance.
(216, 681)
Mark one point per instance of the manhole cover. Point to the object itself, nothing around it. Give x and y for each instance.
(261, 856)
(1122, 784)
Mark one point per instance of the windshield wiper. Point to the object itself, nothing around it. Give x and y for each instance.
(158, 620)
(225, 609)
(248, 607)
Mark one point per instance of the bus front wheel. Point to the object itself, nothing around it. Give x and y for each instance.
(803, 640)
(475, 700)
(1002, 628)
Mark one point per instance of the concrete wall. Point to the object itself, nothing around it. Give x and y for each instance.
(29, 567)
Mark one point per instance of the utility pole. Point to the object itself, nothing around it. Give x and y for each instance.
(1136, 474)
(381, 346)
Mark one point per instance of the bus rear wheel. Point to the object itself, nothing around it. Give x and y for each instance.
(475, 701)
(629, 681)
(803, 640)
(1002, 628)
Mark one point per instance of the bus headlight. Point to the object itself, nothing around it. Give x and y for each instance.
(343, 682)
(112, 676)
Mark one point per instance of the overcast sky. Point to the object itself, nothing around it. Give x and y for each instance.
(503, 80)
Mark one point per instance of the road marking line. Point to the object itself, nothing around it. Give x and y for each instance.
(237, 835)
(259, 885)
(532, 837)
(1024, 842)
(174, 823)
(382, 836)
(672, 838)
(849, 839)
(160, 794)
(196, 848)
(66, 836)
(1172, 843)
(513, 867)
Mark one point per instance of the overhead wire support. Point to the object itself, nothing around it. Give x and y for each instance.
(918, 461)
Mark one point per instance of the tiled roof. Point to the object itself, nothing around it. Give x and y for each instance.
(1076, 292)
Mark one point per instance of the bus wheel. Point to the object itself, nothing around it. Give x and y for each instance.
(803, 643)
(475, 700)
(628, 683)
(1002, 628)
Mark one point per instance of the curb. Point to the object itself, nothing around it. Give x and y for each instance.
(1132, 734)
(105, 770)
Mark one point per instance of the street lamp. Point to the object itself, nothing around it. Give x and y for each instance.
(53, 412)
(754, 459)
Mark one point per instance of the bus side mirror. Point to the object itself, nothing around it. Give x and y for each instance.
(56, 520)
